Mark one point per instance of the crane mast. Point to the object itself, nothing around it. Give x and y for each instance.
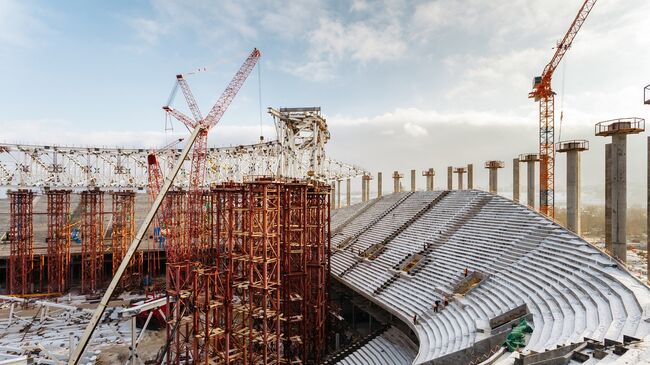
(544, 94)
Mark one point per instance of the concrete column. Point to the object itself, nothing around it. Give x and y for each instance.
(396, 182)
(363, 188)
(515, 180)
(608, 198)
(470, 176)
(412, 180)
(573, 191)
(338, 194)
(493, 180)
(429, 174)
(530, 194)
(333, 195)
(348, 193)
(450, 171)
(461, 172)
(379, 184)
(647, 244)
(572, 149)
(619, 196)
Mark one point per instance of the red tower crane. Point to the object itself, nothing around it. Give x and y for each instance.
(544, 94)
(199, 151)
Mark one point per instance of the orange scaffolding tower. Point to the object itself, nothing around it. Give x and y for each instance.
(58, 240)
(92, 240)
(21, 241)
(122, 233)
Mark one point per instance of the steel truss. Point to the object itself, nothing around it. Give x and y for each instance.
(58, 240)
(21, 241)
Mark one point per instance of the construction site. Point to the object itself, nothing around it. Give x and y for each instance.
(268, 254)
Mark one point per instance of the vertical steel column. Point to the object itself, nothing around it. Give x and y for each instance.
(58, 240)
(92, 240)
(21, 241)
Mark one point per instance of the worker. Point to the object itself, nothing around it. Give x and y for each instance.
(445, 301)
(435, 307)
(415, 319)
(466, 272)
(147, 283)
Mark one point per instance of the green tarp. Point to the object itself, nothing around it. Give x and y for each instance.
(517, 338)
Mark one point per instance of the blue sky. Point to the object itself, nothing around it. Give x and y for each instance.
(404, 84)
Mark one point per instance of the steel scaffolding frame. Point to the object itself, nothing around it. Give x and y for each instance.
(58, 240)
(92, 240)
(122, 233)
(318, 267)
(294, 272)
(21, 241)
(179, 312)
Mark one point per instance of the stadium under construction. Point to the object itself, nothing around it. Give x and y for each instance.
(265, 253)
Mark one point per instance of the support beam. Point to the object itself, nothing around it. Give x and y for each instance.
(470, 176)
(450, 176)
(608, 198)
(493, 168)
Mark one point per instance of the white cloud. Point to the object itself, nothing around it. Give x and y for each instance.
(19, 25)
(148, 31)
(415, 130)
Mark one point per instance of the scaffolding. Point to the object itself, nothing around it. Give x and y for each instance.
(294, 272)
(318, 267)
(122, 233)
(92, 240)
(58, 240)
(21, 241)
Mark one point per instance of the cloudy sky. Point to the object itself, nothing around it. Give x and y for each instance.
(403, 84)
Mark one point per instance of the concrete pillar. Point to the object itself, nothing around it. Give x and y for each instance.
(618, 129)
(470, 176)
(608, 198)
(647, 244)
(430, 175)
(573, 149)
(619, 196)
(380, 179)
(412, 180)
(461, 172)
(348, 193)
(573, 191)
(333, 195)
(493, 168)
(449, 178)
(530, 159)
(363, 188)
(338, 194)
(515, 180)
(530, 193)
(396, 182)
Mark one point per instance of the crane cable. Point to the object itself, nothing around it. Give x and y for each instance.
(259, 96)
(562, 97)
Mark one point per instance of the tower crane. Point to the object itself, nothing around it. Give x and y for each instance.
(544, 94)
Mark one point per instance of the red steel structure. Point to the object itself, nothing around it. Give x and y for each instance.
(318, 267)
(122, 233)
(92, 240)
(58, 240)
(294, 271)
(21, 241)
(544, 94)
